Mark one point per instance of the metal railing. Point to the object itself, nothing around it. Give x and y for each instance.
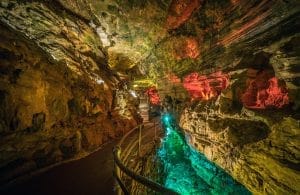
(121, 160)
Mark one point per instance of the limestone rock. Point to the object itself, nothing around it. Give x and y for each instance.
(48, 114)
(260, 152)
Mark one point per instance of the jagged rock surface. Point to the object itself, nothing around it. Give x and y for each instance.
(260, 149)
(58, 98)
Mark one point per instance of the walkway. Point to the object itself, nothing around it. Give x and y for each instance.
(88, 176)
(91, 175)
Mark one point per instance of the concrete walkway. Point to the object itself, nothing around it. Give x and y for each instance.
(91, 175)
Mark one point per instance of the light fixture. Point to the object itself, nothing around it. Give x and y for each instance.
(133, 93)
(166, 118)
(99, 81)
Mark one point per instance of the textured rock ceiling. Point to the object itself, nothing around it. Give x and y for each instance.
(147, 40)
(159, 37)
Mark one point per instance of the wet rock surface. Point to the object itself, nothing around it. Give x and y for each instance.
(259, 151)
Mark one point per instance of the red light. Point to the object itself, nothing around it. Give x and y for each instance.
(205, 87)
(264, 92)
(153, 95)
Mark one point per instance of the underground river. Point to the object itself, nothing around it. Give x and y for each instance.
(186, 171)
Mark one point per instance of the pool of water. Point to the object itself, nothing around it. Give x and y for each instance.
(188, 171)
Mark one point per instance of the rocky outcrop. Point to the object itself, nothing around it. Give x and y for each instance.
(258, 148)
(57, 95)
(63, 37)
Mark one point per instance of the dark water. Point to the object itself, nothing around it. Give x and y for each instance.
(187, 171)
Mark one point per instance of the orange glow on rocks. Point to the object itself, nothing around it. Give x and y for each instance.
(153, 95)
(188, 48)
(234, 2)
(173, 78)
(205, 87)
(264, 91)
(192, 48)
(180, 11)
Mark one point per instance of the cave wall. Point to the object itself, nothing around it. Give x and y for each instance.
(258, 147)
(58, 101)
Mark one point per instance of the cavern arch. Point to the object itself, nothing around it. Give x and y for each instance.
(228, 70)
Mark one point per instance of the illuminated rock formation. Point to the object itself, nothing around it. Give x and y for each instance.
(67, 68)
(204, 87)
(153, 95)
(264, 92)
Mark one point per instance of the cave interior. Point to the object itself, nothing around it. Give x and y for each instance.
(74, 74)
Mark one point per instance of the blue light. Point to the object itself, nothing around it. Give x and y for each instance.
(168, 130)
(167, 119)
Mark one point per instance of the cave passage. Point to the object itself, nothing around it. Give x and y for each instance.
(187, 171)
(76, 76)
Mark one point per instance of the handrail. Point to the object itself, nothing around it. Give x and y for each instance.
(143, 180)
(123, 187)
(120, 166)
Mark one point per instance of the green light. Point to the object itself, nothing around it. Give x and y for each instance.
(187, 171)
(166, 119)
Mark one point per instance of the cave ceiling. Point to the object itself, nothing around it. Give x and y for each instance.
(149, 40)
(153, 39)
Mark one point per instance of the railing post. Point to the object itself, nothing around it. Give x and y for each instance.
(140, 137)
(118, 171)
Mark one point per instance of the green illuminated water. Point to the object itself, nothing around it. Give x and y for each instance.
(187, 171)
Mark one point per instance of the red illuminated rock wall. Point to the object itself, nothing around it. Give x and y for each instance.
(153, 95)
(264, 91)
(205, 87)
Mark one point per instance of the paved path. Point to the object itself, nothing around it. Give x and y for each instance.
(88, 176)
(91, 175)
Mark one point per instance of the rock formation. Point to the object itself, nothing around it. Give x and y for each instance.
(230, 69)
(259, 148)
(58, 97)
